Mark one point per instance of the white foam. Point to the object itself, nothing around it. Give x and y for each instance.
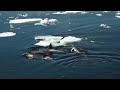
(7, 34)
(15, 21)
(71, 12)
(98, 14)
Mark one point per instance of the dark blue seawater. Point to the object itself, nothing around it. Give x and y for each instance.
(103, 45)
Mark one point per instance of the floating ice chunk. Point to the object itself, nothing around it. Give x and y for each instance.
(7, 34)
(47, 21)
(99, 14)
(15, 21)
(105, 26)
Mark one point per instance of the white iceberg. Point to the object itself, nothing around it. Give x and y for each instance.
(7, 34)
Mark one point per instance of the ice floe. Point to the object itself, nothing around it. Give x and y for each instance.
(36, 21)
(7, 34)
(16, 21)
(55, 40)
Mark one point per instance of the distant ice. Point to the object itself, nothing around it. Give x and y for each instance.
(105, 26)
(98, 14)
(7, 34)
(71, 12)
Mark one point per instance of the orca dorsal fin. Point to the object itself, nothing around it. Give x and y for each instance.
(50, 46)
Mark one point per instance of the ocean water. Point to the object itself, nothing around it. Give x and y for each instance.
(103, 44)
